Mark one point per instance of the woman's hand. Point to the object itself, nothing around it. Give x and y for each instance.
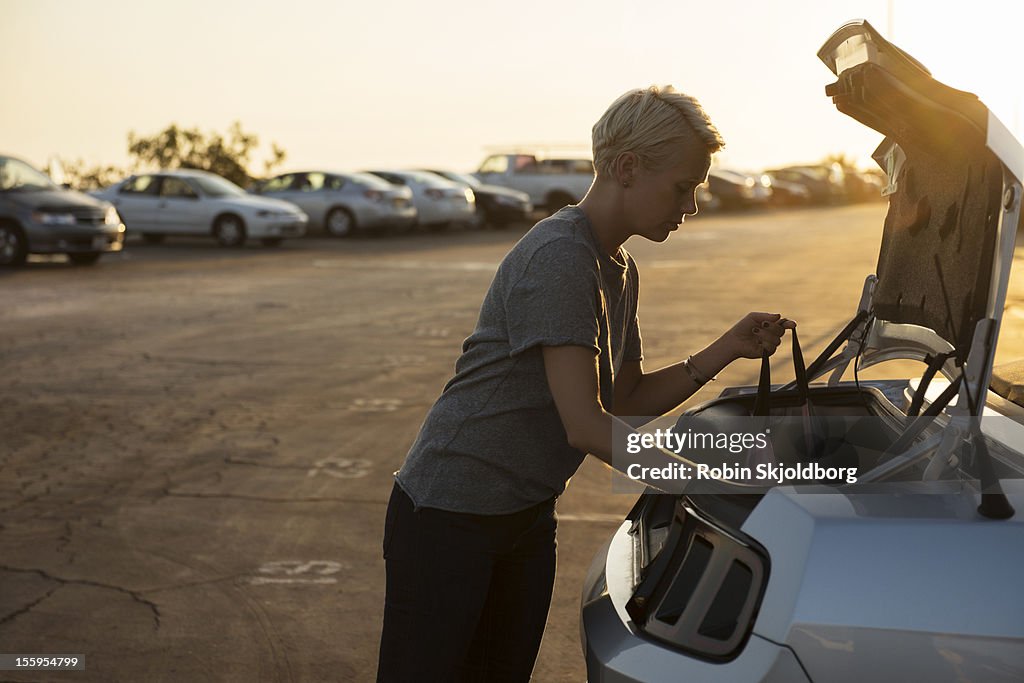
(757, 332)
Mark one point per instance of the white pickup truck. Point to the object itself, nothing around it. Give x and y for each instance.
(551, 183)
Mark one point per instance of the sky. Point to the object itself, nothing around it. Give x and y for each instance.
(354, 85)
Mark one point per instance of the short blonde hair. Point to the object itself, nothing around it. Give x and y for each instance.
(647, 121)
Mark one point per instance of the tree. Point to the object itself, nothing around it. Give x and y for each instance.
(81, 177)
(227, 156)
(175, 147)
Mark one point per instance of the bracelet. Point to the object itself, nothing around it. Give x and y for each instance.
(699, 378)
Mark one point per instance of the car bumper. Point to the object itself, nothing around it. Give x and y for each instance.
(505, 212)
(45, 239)
(436, 213)
(616, 652)
(278, 228)
(375, 218)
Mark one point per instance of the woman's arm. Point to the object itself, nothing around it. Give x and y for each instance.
(658, 392)
(572, 374)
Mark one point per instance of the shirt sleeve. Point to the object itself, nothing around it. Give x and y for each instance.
(557, 301)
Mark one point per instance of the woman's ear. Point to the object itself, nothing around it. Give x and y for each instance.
(626, 165)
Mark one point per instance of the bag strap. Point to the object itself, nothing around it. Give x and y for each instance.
(764, 387)
(762, 405)
(799, 368)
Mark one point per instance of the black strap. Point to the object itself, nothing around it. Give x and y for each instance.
(934, 364)
(799, 369)
(764, 387)
(762, 405)
(917, 426)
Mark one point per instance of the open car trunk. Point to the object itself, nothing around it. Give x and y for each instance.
(954, 190)
(937, 297)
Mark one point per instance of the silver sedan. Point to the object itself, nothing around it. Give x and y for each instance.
(342, 203)
(440, 202)
(189, 202)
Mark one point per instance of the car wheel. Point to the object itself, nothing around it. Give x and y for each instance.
(153, 237)
(13, 248)
(340, 222)
(229, 231)
(272, 241)
(84, 258)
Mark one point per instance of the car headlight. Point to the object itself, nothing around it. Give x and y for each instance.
(275, 213)
(470, 196)
(47, 218)
(111, 217)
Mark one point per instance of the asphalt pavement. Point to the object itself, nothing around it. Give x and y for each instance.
(196, 444)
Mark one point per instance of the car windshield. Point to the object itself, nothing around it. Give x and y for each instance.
(215, 186)
(17, 176)
(369, 180)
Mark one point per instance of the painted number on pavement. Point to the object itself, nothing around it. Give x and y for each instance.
(297, 571)
(341, 468)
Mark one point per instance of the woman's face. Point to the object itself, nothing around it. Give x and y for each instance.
(657, 201)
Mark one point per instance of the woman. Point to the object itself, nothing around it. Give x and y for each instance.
(469, 538)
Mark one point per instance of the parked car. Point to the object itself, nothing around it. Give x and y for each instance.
(188, 202)
(863, 186)
(344, 203)
(497, 205)
(40, 217)
(735, 190)
(550, 183)
(826, 184)
(439, 203)
(912, 572)
(785, 193)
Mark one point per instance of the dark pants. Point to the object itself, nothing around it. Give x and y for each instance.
(467, 595)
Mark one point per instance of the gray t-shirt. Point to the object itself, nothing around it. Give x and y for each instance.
(493, 443)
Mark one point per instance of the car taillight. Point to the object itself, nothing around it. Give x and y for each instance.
(434, 193)
(373, 195)
(701, 590)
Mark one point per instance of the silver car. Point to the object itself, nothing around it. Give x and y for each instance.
(439, 202)
(344, 203)
(911, 572)
(195, 203)
(40, 217)
(497, 206)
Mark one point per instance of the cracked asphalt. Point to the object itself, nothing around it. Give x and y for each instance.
(196, 444)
